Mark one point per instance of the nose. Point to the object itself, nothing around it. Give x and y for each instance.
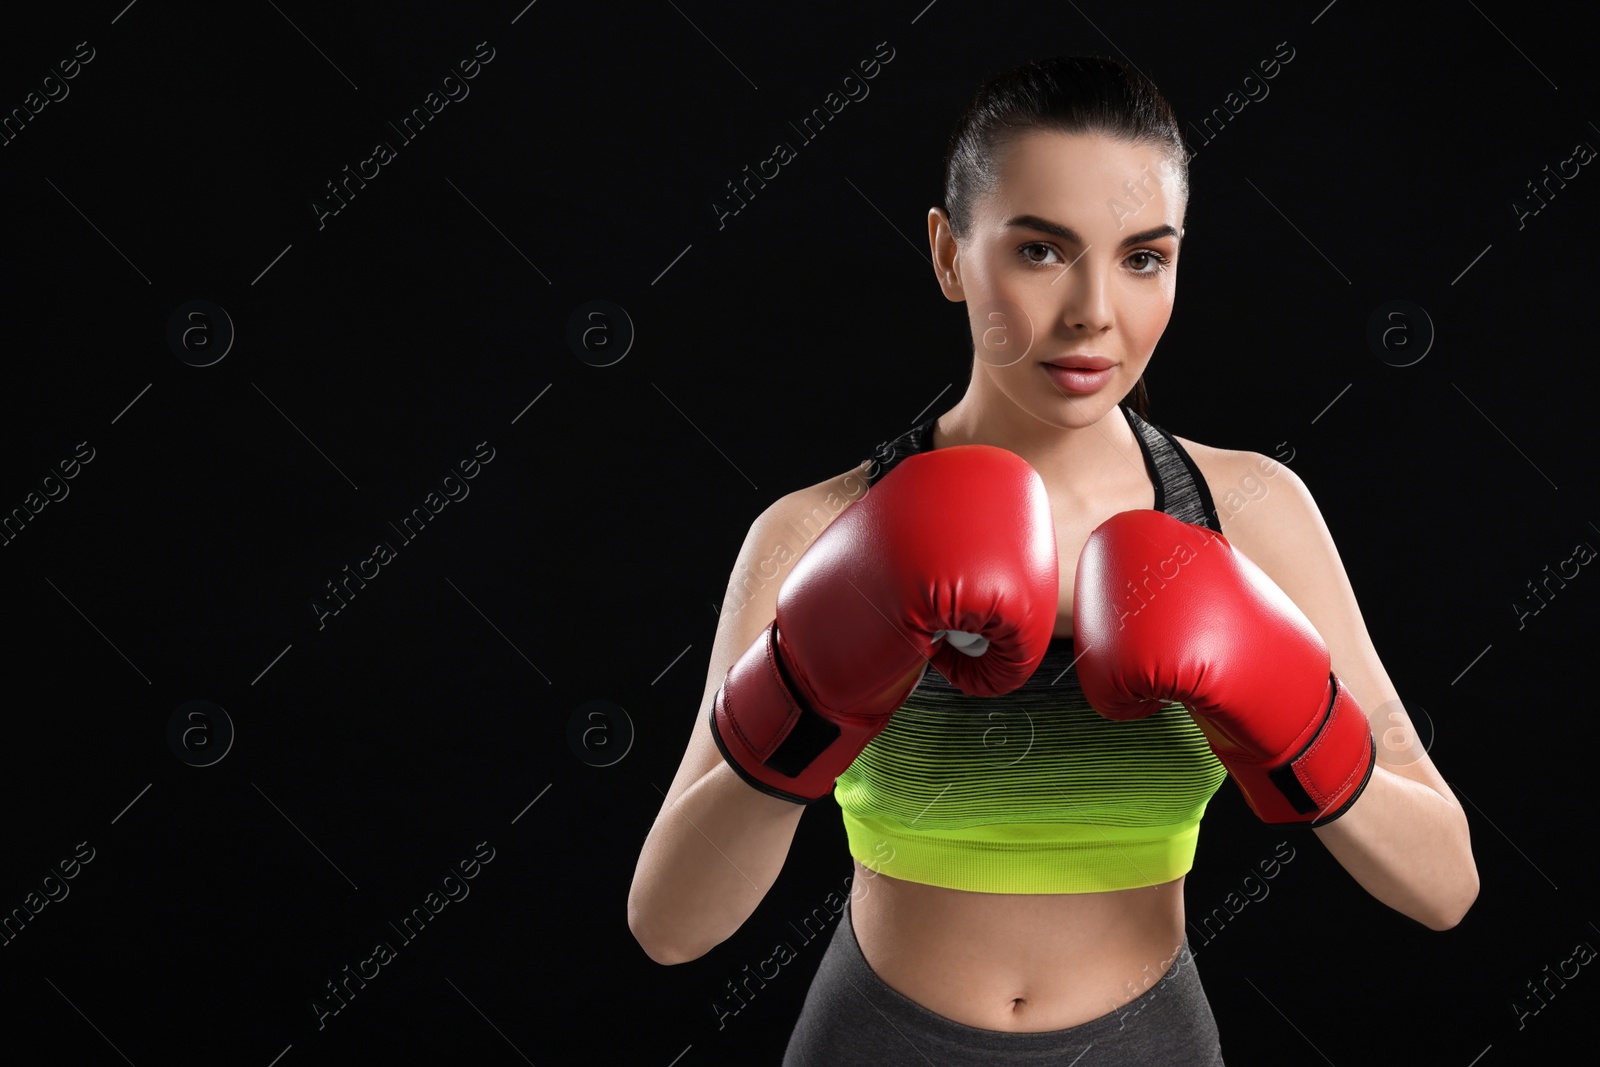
(1085, 301)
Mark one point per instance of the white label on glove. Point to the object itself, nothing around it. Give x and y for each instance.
(971, 644)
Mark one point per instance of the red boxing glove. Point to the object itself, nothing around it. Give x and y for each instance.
(1168, 611)
(950, 559)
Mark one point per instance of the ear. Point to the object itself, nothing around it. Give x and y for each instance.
(946, 256)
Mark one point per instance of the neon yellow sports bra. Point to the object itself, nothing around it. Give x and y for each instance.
(1033, 791)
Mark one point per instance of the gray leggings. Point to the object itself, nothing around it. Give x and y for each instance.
(852, 1018)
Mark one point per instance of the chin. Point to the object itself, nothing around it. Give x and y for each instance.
(1076, 412)
(1099, 401)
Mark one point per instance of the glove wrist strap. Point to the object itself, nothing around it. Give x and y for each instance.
(1321, 782)
(772, 739)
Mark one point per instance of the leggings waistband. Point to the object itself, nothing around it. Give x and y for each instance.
(852, 1017)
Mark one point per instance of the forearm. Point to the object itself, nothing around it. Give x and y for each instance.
(708, 861)
(1407, 845)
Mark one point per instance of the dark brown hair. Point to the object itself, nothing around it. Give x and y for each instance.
(1065, 94)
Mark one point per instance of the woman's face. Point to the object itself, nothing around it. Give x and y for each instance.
(1073, 253)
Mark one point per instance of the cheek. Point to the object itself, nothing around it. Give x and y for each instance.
(981, 270)
(1004, 331)
(1151, 312)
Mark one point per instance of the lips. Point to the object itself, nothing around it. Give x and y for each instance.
(1081, 362)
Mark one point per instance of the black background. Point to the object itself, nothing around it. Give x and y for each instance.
(377, 349)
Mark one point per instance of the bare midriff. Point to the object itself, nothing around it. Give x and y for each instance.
(1016, 962)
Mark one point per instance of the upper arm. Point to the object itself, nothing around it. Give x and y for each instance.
(1281, 530)
(776, 539)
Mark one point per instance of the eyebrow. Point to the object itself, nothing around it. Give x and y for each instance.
(1066, 233)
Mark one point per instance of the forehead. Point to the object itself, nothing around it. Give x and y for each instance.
(1072, 178)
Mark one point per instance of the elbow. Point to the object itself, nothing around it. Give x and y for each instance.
(661, 952)
(665, 954)
(639, 926)
(1447, 920)
(1450, 917)
(657, 948)
(1462, 890)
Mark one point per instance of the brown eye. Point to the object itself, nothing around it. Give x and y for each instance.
(1159, 261)
(1022, 253)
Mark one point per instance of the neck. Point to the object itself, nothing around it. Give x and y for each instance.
(1081, 457)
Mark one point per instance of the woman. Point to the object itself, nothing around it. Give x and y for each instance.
(1019, 858)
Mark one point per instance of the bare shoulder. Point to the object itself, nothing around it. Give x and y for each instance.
(794, 520)
(1220, 466)
(777, 538)
(1203, 453)
(1238, 480)
(834, 493)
